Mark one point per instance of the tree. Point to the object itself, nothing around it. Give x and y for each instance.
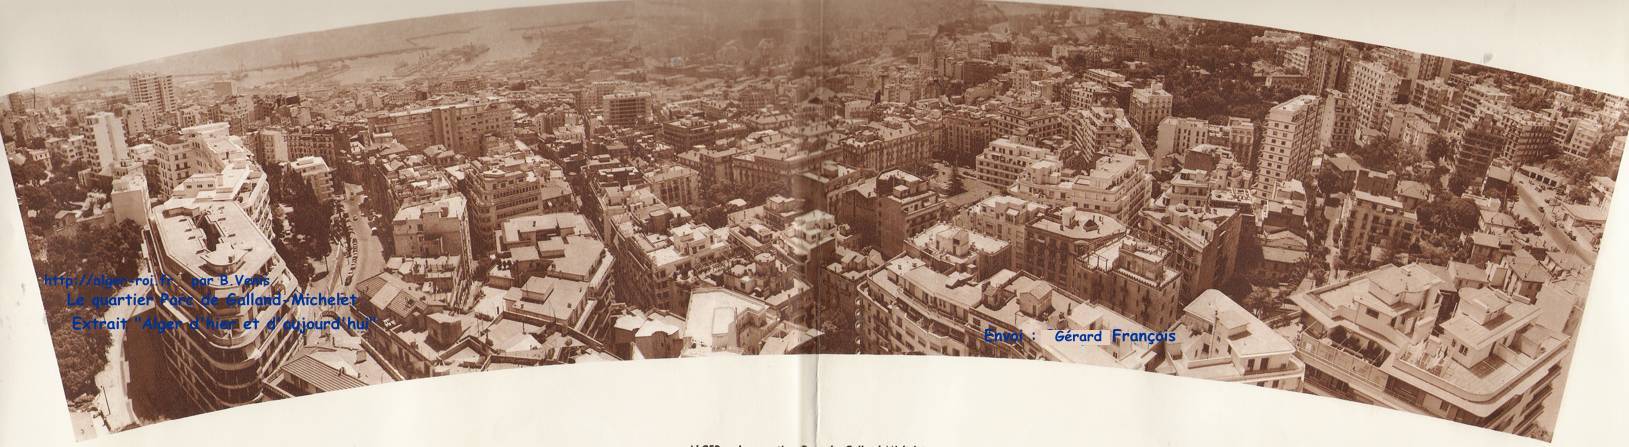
(65, 190)
(1385, 154)
(31, 173)
(81, 354)
(1330, 183)
(1458, 184)
(1236, 286)
(1451, 218)
(761, 192)
(305, 233)
(956, 187)
(35, 198)
(1438, 149)
(1526, 226)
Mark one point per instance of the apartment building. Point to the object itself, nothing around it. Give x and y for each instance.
(1371, 221)
(1148, 107)
(314, 171)
(908, 307)
(905, 206)
(1377, 338)
(1004, 160)
(1219, 340)
(437, 228)
(460, 127)
(1003, 217)
(1130, 276)
(1203, 241)
(1115, 185)
(1288, 143)
(217, 369)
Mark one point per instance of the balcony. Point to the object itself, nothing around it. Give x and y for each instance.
(1337, 358)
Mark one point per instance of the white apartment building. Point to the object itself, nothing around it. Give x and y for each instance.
(110, 144)
(1377, 338)
(1288, 143)
(1219, 340)
(1116, 185)
(1004, 160)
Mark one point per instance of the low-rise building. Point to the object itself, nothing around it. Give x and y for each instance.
(1219, 340)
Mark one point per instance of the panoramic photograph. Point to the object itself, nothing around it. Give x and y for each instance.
(658, 179)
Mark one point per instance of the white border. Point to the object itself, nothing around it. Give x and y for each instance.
(911, 400)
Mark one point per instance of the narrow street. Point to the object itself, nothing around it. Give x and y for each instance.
(369, 258)
(1528, 207)
(113, 397)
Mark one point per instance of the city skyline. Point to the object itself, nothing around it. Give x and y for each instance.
(521, 188)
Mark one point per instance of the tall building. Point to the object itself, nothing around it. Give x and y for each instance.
(1148, 107)
(1297, 59)
(1329, 65)
(1577, 136)
(208, 160)
(460, 127)
(239, 181)
(627, 108)
(774, 163)
(19, 103)
(905, 206)
(1177, 135)
(1337, 121)
(910, 307)
(966, 132)
(110, 143)
(1115, 185)
(1371, 221)
(1288, 143)
(329, 141)
(1529, 136)
(140, 118)
(1132, 277)
(314, 171)
(434, 229)
(1373, 88)
(948, 248)
(1413, 66)
(675, 184)
(1203, 243)
(219, 368)
(501, 189)
(1435, 96)
(1478, 147)
(1103, 130)
(688, 132)
(1478, 100)
(155, 89)
(270, 145)
(130, 198)
(1407, 339)
(1053, 242)
(1028, 122)
(884, 145)
(1004, 217)
(1004, 160)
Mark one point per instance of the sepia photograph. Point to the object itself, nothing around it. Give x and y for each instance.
(661, 179)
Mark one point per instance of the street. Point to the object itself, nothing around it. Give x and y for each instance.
(113, 401)
(1528, 207)
(369, 257)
